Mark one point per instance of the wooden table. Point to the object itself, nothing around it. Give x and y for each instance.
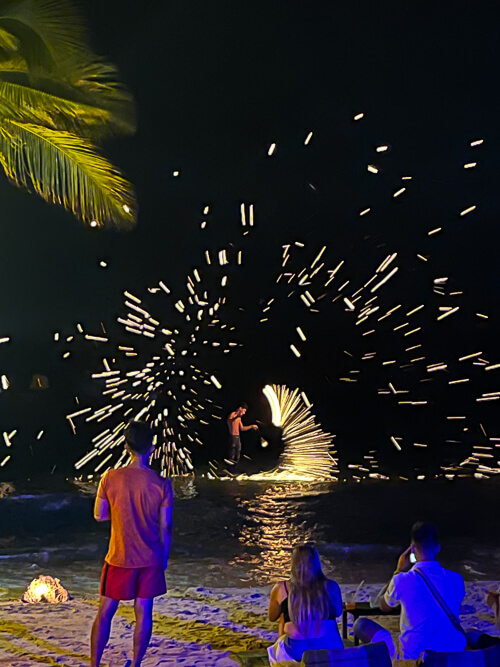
(364, 609)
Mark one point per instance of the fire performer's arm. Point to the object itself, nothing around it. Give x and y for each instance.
(232, 417)
(252, 427)
(166, 522)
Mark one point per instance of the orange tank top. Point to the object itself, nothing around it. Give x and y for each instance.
(135, 496)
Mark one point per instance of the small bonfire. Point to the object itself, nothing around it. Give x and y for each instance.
(45, 589)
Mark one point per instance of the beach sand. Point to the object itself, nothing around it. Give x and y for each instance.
(192, 627)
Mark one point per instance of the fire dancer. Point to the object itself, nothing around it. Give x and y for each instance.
(235, 427)
(139, 503)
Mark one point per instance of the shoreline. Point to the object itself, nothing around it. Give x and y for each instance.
(193, 626)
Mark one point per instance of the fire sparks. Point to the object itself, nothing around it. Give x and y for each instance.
(164, 385)
(165, 365)
(308, 449)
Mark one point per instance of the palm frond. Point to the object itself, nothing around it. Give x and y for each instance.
(8, 43)
(50, 32)
(90, 102)
(98, 84)
(23, 102)
(13, 64)
(64, 168)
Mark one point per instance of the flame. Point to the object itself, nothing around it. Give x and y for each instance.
(271, 396)
(45, 589)
(308, 453)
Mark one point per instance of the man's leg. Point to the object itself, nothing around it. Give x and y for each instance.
(477, 640)
(101, 629)
(143, 608)
(368, 631)
(237, 446)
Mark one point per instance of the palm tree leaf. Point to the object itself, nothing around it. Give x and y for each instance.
(91, 102)
(64, 168)
(23, 102)
(8, 43)
(98, 84)
(51, 34)
(13, 64)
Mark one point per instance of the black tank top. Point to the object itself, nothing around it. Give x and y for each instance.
(286, 613)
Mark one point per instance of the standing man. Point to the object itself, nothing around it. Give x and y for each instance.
(139, 503)
(235, 427)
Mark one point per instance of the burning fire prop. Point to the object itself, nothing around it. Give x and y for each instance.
(45, 589)
(309, 451)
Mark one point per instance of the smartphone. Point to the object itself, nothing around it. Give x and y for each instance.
(413, 558)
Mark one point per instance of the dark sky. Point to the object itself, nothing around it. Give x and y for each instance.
(215, 83)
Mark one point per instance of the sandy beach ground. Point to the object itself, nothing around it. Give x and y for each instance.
(192, 627)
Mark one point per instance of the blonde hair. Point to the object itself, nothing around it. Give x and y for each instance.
(309, 598)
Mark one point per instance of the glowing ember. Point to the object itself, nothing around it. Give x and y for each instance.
(45, 589)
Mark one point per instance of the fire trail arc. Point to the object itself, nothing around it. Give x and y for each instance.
(309, 451)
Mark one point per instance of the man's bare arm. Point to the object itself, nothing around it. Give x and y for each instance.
(166, 525)
(384, 606)
(404, 564)
(252, 427)
(101, 509)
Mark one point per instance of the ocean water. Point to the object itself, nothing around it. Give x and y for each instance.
(240, 533)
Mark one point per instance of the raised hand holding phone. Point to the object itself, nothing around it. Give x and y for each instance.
(404, 562)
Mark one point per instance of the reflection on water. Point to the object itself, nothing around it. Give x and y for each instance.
(241, 532)
(276, 520)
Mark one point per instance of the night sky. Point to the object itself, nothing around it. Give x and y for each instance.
(215, 84)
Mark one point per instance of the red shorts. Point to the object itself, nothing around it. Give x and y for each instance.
(129, 583)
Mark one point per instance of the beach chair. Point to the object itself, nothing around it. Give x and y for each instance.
(487, 657)
(257, 658)
(368, 655)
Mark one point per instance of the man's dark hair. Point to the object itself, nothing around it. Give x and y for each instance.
(243, 405)
(424, 535)
(139, 436)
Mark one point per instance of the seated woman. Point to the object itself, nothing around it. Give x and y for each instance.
(480, 640)
(306, 607)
